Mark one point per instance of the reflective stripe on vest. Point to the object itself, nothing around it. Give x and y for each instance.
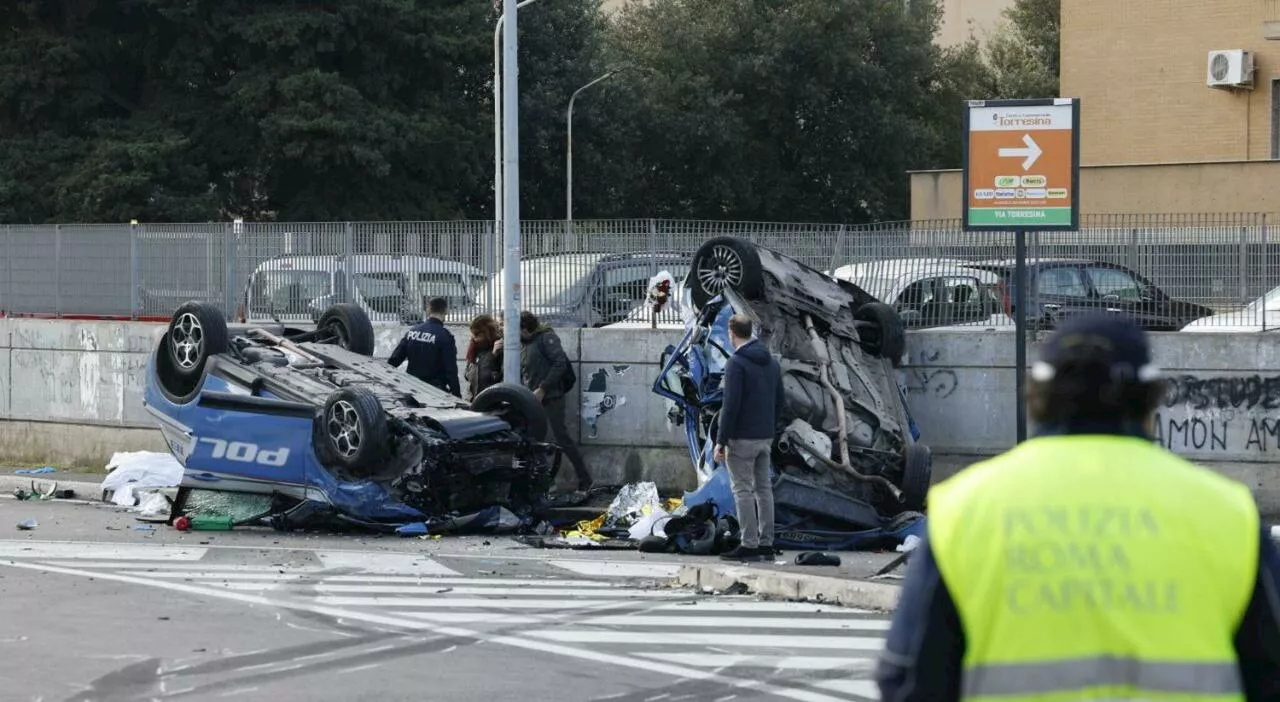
(1083, 673)
(1081, 566)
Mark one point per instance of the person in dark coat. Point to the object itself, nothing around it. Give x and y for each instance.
(749, 416)
(431, 351)
(484, 366)
(547, 372)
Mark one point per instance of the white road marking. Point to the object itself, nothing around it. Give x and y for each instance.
(785, 663)
(106, 551)
(726, 604)
(459, 602)
(862, 688)
(672, 638)
(677, 623)
(386, 563)
(530, 644)
(617, 569)
(498, 591)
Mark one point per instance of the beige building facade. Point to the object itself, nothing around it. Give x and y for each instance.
(1179, 104)
(965, 19)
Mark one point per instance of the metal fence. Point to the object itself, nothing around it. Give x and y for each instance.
(592, 271)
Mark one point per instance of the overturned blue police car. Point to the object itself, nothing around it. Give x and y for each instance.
(332, 437)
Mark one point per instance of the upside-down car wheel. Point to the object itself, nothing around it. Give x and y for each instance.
(884, 336)
(515, 405)
(353, 430)
(197, 332)
(725, 262)
(348, 326)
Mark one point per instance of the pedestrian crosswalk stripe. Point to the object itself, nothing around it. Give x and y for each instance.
(273, 573)
(742, 622)
(781, 663)
(678, 633)
(619, 569)
(385, 563)
(669, 638)
(105, 551)
(460, 602)
(732, 604)
(863, 688)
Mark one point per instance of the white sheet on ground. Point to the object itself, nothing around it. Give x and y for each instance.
(133, 470)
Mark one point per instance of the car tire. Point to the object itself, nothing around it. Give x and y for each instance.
(350, 328)
(517, 406)
(180, 382)
(725, 261)
(353, 431)
(196, 332)
(886, 337)
(917, 474)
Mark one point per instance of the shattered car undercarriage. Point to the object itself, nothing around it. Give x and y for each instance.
(336, 438)
(848, 460)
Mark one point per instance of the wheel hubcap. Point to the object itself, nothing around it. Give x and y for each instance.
(344, 428)
(187, 339)
(720, 269)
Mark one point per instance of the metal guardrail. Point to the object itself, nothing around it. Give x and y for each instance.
(591, 270)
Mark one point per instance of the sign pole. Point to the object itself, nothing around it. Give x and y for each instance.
(1020, 329)
(1021, 173)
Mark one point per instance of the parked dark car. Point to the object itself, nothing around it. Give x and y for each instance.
(1061, 287)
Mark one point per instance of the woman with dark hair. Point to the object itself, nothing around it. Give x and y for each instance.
(484, 367)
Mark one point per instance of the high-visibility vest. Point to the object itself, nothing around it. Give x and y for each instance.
(1096, 567)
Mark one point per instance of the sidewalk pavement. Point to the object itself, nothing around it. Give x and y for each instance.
(851, 584)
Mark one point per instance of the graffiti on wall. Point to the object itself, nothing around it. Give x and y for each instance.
(1236, 414)
(597, 401)
(937, 383)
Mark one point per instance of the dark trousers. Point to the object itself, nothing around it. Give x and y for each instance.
(555, 407)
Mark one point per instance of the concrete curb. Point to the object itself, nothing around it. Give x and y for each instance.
(762, 581)
(91, 492)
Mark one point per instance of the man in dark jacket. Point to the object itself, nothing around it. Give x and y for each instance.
(431, 350)
(547, 372)
(749, 414)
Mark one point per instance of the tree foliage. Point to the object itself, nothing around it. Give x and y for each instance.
(194, 110)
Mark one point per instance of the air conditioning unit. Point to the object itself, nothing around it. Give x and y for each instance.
(1231, 68)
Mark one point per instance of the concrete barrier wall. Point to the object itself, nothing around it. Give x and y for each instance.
(71, 394)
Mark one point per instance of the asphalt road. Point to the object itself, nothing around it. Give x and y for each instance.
(96, 614)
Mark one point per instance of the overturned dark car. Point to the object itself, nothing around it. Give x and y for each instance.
(311, 425)
(849, 470)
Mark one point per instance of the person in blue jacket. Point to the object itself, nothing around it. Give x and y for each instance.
(431, 350)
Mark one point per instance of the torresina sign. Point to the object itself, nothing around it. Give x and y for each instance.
(1021, 164)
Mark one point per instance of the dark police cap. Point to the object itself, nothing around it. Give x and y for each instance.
(1113, 340)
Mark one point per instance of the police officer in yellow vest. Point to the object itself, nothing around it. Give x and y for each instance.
(1088, 562)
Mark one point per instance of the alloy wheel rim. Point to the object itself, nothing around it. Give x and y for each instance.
(187, 340)
(720, 269)
(343, 426)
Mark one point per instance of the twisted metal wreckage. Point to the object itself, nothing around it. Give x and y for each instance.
(298, 429)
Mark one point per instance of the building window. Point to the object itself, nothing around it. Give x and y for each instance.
(1275, 119)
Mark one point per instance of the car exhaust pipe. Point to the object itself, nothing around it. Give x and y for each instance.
(286, 344)
(824, 377)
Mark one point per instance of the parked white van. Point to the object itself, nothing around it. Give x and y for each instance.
(390, 288)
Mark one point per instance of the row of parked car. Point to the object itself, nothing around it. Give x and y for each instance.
(609, 290)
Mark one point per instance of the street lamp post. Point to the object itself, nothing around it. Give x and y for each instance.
(511, 195)
(568, 156)
(497, 113)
